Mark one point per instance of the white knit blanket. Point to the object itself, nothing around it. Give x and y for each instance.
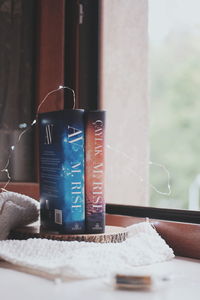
(16, 210)
(64, 260)
(76, 260)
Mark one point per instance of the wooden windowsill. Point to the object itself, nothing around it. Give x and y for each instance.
(30, 189)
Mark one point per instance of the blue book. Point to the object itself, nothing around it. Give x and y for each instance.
(62, 202)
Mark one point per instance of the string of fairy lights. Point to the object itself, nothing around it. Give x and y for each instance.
(12, 148)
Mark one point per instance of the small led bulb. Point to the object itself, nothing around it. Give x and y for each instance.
(34, 121)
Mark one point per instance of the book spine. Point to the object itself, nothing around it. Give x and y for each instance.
(94, 171)
(62, 171)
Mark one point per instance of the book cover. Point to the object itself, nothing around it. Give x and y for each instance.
(94, 171)
(62, 200)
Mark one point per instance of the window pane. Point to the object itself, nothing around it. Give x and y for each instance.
(174, 43)
(17, 18)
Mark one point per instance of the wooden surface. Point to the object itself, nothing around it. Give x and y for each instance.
(72, 48)
(30, 189)
(183, 238)
(50, 53)
(113, 234)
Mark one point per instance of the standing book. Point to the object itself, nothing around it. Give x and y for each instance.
(62, 196)
(94, 171)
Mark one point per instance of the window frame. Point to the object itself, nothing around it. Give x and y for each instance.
(178, 215)
(49, 73)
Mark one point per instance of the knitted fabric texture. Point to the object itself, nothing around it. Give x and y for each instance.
(16, 210)
(76, 260)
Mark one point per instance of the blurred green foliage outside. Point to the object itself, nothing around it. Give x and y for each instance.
(175, 116)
